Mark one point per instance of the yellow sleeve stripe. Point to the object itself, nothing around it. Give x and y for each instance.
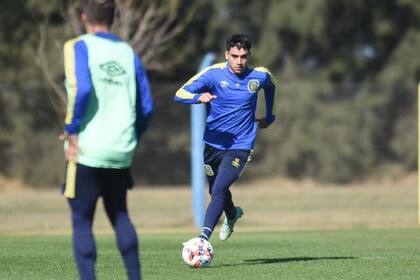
(181, 93)
(276, 95)
(70, 73)
(70, 188)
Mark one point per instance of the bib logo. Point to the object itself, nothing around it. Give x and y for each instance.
(253, 86)
(112, 68)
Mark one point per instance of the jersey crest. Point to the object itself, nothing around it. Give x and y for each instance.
(253, 85)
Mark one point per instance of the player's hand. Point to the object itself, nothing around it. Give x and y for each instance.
(206, 97)
(262, 123)
(72, 150)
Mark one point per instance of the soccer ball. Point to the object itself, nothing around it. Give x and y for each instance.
(197, 252)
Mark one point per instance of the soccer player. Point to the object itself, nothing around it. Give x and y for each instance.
(230, 92)
(109, 104)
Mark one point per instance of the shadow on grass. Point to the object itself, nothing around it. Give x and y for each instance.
(283, 260)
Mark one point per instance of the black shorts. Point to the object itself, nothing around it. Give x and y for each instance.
(214, 159)
(84, 181)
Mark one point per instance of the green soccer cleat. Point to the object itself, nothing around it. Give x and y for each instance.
(227, 227)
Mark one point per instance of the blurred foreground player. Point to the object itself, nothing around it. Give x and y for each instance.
(108, 107)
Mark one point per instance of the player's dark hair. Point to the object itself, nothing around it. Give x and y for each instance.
(240, 41)
(99, 11)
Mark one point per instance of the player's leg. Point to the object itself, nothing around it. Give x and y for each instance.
(233, 213)
(229, 209)
(212, 158)
(116, 183)
(205, 230)
(229, 170)
(82, 212)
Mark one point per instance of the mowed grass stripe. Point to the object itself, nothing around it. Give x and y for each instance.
(338, 254)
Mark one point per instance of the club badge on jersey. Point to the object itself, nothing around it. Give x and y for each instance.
(253, 86)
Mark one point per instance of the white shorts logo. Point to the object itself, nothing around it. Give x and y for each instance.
(208, 170)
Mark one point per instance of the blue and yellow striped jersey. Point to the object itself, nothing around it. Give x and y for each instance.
(230, 120)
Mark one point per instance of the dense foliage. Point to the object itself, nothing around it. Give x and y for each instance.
(347, 73)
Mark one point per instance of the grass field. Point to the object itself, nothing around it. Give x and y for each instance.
(341, 254)
(291, 230)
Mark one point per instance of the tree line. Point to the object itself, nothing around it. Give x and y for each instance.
(347, 74)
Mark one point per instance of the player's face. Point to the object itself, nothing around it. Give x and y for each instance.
(237, 59)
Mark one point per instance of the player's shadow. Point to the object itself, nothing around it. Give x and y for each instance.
(284, 260)
(296, 259)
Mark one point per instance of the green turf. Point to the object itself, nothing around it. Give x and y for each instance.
(342, 254)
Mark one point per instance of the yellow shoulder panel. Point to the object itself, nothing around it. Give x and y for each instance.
(199, 74)
(263, 69)
(276, 95)
(181, 93)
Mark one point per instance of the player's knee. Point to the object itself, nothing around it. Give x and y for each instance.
(86, 251)
(218, 193)
(126, 236)
(128, 244)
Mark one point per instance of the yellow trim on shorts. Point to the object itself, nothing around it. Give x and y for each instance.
(70, 189)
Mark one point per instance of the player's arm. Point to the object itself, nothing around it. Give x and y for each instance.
(144, 101)
(270, 102)
(79, 87)
(196, 90)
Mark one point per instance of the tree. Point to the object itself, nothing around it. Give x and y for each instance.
(347, 73)
(150, 27)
